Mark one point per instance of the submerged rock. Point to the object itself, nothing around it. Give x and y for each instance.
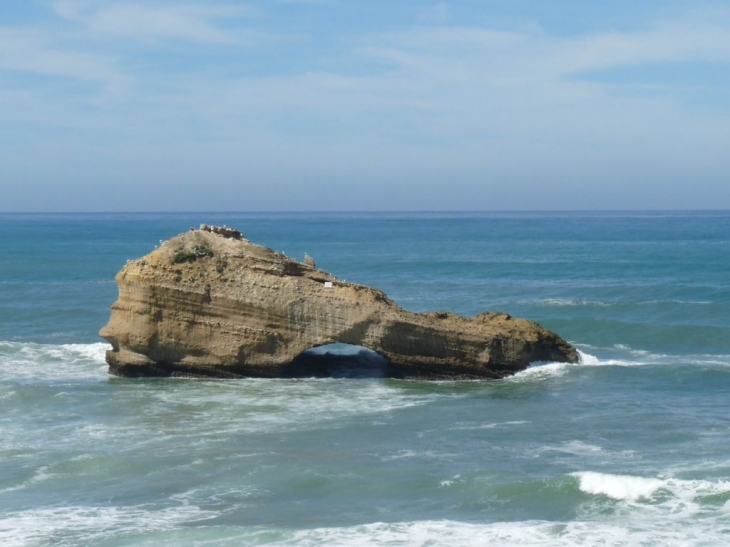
(211, 303)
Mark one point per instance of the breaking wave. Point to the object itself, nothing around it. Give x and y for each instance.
(24, 360)
(630, 358)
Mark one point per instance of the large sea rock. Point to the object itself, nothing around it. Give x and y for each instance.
(211, 303)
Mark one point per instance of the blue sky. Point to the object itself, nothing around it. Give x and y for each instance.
(164, 105)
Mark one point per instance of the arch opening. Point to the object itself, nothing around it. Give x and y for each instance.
(340, 360)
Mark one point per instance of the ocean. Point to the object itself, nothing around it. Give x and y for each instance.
(630, 447)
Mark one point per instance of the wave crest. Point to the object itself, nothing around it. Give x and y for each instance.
(23, 360)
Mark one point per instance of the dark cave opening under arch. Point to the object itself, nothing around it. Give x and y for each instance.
(339, 360)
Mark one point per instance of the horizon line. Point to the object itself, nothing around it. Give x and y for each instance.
(344, 211)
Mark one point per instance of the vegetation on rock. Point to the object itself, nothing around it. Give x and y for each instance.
(199, 251)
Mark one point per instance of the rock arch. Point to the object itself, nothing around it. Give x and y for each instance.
(339, 360)
(209, 302)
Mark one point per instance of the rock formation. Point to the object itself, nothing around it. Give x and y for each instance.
(210, 303)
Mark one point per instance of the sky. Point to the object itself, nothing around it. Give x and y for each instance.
(364, 105)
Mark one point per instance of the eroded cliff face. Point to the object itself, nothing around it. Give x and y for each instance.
(211, 303)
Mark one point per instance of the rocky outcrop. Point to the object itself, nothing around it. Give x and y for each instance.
(210, 303)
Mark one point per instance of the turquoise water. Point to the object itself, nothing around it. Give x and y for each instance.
(630, 447)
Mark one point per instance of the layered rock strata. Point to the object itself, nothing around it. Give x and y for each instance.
(211, 303)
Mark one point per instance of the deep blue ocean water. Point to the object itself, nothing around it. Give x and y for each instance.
(629, 447)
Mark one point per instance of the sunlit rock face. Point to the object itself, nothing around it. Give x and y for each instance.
(211, 303)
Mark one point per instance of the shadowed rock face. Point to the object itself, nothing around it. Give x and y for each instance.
(210, 303)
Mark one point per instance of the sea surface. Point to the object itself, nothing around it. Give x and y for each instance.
(631, 447)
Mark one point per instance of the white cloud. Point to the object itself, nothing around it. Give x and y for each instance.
(669, 43)
(536, 54)
(186, 22)
(436, 14)
(29, 50)
(490, 104)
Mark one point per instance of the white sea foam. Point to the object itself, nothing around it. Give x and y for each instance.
(492, 425)
(639, 357)
(540, 371)
(576, 448)
(40, 475)
(543, 370)
(278, 405)
(85, 525)
(586, 359)
(508, 534)
(401, 455)
(565, 302)
(20, 360)
(672, 495)
(92, 352)
(618, 487)
(584, 302)
(449, 482)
